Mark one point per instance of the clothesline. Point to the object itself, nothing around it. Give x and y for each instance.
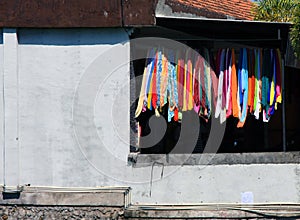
(223, 84)
(227, 39)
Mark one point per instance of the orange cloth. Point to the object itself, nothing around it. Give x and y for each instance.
(251, 81)
(234, 88)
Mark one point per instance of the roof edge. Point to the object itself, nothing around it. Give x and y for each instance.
(221, 20)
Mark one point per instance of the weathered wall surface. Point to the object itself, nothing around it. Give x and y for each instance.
(71, 126)
(64, 203)
(50, 212)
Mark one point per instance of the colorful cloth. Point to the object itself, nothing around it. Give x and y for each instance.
(207, 84)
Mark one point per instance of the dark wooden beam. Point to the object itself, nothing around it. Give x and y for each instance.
(60, 13)
(139, 12)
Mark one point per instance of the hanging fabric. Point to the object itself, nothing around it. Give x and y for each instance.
(243, 90)
(230, 84)
(234, 87)
(257, 76)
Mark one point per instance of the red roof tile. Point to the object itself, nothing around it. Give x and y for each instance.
(238, 9)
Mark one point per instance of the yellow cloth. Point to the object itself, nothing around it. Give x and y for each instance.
(272, 92)
(142, 94)
(150, 94)
(190, 98)
(184, 108)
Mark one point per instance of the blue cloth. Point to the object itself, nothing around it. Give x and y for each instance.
(244, 88)
(172, 85)
(274, 60)
(158, 77)
(240, 67)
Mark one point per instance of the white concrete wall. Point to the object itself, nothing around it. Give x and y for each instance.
(11, 106)
(225, 183)
(1, 105)
(52, 66)
(70, 138)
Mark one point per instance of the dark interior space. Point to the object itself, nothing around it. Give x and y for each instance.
(255, 136)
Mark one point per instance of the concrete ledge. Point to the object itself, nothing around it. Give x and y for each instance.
(213, 211)
(142, 160)
(54, 196)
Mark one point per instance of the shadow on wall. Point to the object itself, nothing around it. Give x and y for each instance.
(1, 36)
(6, 196)
(70, 37)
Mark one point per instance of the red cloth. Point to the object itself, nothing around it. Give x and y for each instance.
(176, 114)
(154, 92)
(196, 83)
(180, 82)
(202, 83)
(234, 88)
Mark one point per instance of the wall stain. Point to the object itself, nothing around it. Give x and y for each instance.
(297, 172)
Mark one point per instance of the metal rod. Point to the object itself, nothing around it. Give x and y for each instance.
(225, 40)
(3, 125)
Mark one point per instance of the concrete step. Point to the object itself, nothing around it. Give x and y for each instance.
(66, 196)
(213, 211)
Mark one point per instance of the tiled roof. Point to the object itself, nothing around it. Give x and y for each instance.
(238, 9)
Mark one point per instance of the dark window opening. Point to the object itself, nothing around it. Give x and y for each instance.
(255, 136)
